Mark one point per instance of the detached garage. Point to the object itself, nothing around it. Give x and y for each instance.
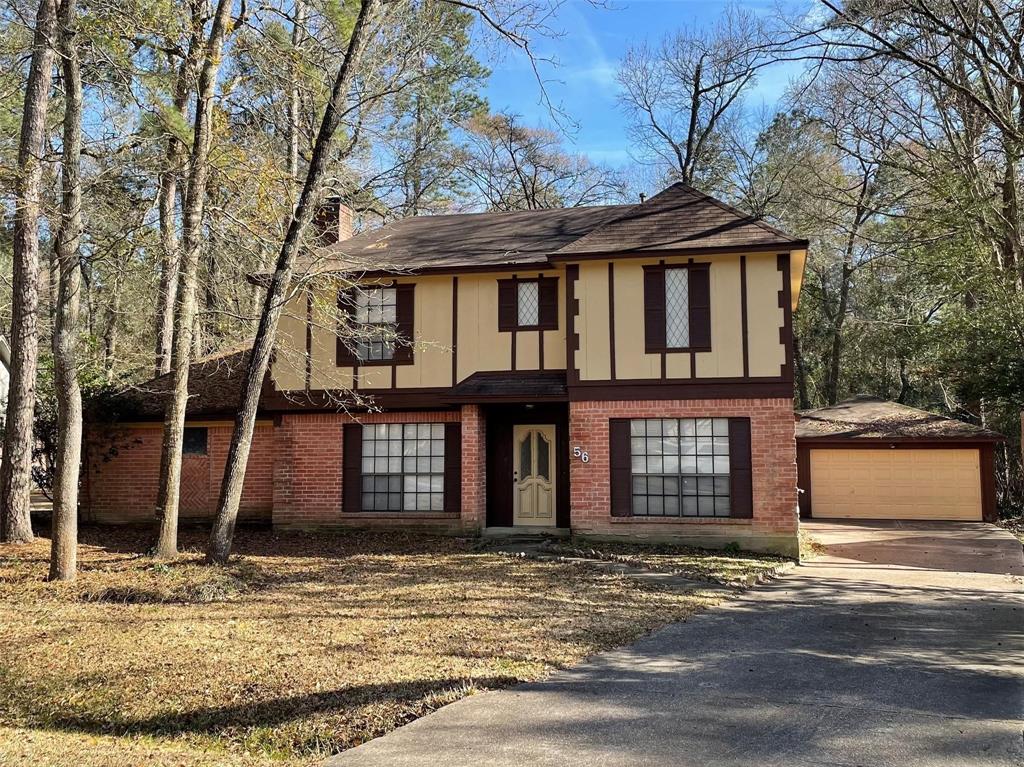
(867, 458)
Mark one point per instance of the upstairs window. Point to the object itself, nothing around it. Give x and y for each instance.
(528, 304)
(677, 308)
(377, 311)
(379, 327)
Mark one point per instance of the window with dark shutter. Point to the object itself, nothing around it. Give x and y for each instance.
(620, 462)
(453, 468)
(677, 308)
(351, 468)
(528, 304)
(681, 467)
(741, 485)
(381, 325)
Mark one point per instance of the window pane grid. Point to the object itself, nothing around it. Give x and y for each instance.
(680, 467)
(528, 301)
(403, 467)
(377, 311)
(677, 308)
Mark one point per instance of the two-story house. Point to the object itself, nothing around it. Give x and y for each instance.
(611, 371)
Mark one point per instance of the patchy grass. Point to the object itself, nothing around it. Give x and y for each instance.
(718, 566)
(306, 645)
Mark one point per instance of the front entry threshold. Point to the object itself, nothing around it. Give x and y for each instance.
(521, 531)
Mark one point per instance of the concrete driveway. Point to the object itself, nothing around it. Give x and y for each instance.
(903, 645)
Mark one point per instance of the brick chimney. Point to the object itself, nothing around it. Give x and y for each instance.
(333, 221)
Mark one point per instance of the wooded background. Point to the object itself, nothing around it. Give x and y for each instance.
(153, 153)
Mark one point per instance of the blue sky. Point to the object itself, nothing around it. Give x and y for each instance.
(588, 53)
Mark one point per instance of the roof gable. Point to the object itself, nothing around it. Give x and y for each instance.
(680, 218)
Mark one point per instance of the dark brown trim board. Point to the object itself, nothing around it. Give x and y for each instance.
(785, 303)
(309, 339)
(744, 323)
(803, 480)
(611, 318)
(989, 512)
(455, 330)
(678, 388)
(572, 308)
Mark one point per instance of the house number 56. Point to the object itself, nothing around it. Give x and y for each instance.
(582, 454)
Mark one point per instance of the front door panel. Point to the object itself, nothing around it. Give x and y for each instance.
(533, 448)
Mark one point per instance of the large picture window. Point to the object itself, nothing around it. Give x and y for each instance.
(403, 467)
(680, 467)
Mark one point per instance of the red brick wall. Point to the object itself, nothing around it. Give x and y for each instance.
(123, 470)
(773, 455)
(474, 471)
(308, 474)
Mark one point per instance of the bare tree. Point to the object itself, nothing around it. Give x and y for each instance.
(514, 167)
(678, 95)
(16, 466)
(185, 307)
(64, 540)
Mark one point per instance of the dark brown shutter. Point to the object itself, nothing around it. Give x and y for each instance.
(700, 306)
(654, 308)
(345, 357)
(741, 486)
(508, 305)
(405, 309)
(548, 292)
(352, 468)
(453, 468)
(621, 464)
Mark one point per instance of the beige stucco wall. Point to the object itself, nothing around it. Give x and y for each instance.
(725, 360)
(481, 347)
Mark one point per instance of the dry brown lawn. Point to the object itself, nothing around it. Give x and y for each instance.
(304, 646)
(720, 566)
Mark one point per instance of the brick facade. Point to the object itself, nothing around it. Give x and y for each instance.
(295, 478)
(774, 523)
(123, 471)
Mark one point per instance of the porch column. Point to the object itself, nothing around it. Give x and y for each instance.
(474, 471)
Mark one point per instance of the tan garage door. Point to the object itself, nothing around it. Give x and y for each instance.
(896, 484)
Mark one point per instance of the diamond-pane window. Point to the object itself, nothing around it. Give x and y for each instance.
(529, 304)
(677, 308)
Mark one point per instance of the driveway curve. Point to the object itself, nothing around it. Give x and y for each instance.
(902, 645)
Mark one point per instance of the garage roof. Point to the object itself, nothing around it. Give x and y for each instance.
(873, 418)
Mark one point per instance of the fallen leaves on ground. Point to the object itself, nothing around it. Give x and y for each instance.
(307, 644)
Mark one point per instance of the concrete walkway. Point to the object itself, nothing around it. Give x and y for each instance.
(903, 645)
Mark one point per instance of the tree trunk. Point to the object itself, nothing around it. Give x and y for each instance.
(64, 540)
(241, 438)
(16, 465)
(294, 97)
(110, 331)
(166, 197)
(185, 307)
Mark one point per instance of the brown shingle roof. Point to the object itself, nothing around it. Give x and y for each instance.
(469, 239)
(680, 218)
(867, 417)
(214, 388)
